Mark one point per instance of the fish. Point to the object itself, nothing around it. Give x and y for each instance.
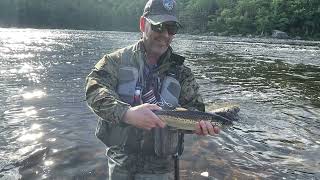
(227, 110)
(186, 120)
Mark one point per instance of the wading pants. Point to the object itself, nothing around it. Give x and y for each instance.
(118, 173)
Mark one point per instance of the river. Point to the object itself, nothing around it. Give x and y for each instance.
(47, 130)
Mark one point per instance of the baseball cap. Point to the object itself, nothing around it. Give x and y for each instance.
(159, 11)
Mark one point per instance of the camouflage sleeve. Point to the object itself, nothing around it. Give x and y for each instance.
(190, 97)
(101, 93)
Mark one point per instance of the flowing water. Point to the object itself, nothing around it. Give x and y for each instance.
(47, 130)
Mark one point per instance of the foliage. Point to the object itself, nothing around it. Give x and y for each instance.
(296, 17)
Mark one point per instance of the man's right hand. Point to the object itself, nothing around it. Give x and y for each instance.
(142, 117)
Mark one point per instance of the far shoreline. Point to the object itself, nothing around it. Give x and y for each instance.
(212, 34)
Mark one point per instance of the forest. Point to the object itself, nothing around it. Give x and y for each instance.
(224, 17)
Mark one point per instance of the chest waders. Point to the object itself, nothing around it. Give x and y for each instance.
(165, 141)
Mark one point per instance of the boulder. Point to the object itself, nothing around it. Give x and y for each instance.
(211, 33)
(279, 34)
(298, 38)
(249, 36)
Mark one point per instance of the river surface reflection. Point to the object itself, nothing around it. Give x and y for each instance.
(47, 131)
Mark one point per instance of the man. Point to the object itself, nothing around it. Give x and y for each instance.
(127, 85)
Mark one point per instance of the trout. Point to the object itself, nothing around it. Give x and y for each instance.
(227, 110)
(182, 119)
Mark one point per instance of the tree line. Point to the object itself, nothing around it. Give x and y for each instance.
(228, 17)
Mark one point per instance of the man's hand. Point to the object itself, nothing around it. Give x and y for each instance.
(205, 127)
(142, 117)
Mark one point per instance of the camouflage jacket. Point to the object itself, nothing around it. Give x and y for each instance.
(102, 98)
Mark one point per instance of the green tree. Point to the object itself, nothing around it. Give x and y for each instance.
(196, 14)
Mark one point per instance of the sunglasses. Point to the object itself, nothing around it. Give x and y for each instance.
(171, 27)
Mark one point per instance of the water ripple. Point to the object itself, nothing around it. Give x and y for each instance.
(275, 82)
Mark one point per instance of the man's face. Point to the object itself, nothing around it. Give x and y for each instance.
(157, 41)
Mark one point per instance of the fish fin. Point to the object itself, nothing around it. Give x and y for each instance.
(180, 109)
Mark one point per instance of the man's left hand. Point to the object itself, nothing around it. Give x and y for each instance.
(206, 128)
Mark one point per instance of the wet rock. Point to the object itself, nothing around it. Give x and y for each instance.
(236, 35)
(211, 33)
(184, 173)
(241, 174)
(217, 162)
(184, 164)
(249, 36)
(279, 34)
(223, 34)
(201, 163)
(196, 32)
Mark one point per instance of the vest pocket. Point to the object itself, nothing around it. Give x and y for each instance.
(170, 91)
(128, 77)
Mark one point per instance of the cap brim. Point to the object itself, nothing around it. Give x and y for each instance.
(158, 19)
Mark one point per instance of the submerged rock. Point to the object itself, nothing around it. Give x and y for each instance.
(28, 161)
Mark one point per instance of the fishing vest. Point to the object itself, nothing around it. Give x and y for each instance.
(132, 140)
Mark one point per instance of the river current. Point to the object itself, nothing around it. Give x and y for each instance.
(47, 130)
